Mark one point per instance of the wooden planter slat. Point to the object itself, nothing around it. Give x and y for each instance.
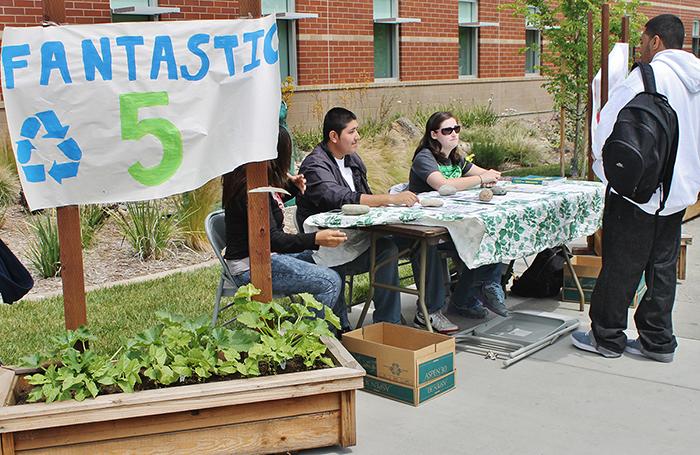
(269, 414)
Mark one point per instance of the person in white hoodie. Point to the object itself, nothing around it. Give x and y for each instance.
(629, 244)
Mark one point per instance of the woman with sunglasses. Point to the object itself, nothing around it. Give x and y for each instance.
(437, 162)
(293, 269)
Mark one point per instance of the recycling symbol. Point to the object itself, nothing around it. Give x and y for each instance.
(35, 173)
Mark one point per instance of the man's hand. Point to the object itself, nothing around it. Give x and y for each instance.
(299, 181)
(406, 198)
(330, 238)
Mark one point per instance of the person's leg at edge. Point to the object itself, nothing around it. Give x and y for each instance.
(627, 238)
(653, 316)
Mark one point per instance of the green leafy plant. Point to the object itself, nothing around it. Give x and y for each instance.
(148, 229)
(43, 249)
(267, 338)
(92, 218)
(193, 208)
(306, 140)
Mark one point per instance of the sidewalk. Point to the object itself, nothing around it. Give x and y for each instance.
(558, 401)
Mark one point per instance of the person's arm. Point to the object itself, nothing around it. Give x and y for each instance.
(324, 190)
(406, 198)
(475, 177)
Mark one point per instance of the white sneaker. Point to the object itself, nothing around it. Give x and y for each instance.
(438, 321)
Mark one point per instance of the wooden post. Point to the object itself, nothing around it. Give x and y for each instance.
(68, 217)
(258, 204)
(604, 51)
(589, 108)
(625, 38)
(562, 122)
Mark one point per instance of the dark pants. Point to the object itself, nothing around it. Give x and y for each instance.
(630, 248)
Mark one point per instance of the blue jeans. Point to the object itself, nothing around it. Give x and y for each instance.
(387, 304)
(297, 273)
(468, 292)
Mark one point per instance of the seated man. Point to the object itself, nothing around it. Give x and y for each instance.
(335, 175)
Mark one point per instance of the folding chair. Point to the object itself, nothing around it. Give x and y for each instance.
(215, 228)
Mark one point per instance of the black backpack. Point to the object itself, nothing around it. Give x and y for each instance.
(640, 153)
(544, 277)
(15, 280)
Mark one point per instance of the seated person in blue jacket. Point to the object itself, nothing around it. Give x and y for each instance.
(335, 176)
(293, 269)
(437, 162)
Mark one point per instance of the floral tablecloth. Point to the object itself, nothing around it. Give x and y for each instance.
(528, 219)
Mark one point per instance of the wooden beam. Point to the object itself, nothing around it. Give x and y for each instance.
(625, 38)
(604, 51)
(589, 107)
(258, 204)
(68, 217)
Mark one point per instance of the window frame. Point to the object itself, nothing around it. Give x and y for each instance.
(394, 21)
(473, 27)
(537, 55)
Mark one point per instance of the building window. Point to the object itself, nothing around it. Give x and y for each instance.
(138, 10)
(386, 40)
(533, 46)
(696, 38)
(468, 37)
(286, 33)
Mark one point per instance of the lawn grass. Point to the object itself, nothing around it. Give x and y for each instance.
(113, 314)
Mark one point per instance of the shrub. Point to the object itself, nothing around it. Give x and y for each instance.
(7, 155)
(193, 208)
(146, 227)
(92, 218)
(306, 140)
(43, 249)
(9, 186)
(505, 142)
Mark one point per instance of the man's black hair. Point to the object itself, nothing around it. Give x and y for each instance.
(669, 28)
(336, 120)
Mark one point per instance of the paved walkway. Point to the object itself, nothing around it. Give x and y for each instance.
(558, 401)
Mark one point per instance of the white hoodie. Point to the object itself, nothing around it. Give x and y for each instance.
(677, 75)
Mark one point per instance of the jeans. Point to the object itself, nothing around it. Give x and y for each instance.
(468, 292)
(387, 304)
(297, 273)
(630, 248)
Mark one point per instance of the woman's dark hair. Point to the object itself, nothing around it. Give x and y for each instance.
(235, 181)
(427, 141)
(669, 28)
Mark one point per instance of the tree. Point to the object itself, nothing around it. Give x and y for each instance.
(564, 26)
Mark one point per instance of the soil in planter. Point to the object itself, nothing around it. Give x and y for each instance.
(294, 365)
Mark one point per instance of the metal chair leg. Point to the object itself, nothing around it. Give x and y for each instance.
(217, 301)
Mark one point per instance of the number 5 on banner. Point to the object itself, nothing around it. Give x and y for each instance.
(165, 131)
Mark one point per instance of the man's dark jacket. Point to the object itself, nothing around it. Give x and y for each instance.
(326, 189)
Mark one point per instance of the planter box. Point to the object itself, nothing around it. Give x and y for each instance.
(280, 413)
(403, 363)
(587, 269)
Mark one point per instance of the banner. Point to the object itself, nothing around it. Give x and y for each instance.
(136, 111)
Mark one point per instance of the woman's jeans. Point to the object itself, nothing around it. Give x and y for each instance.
(296, 273)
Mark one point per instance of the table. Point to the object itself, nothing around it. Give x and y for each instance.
(525, 221)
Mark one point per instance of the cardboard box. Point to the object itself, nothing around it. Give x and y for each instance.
(587, 269)
(403, 363)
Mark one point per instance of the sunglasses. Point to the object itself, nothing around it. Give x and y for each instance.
(447, 131)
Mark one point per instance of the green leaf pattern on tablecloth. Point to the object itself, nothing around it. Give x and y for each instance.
(516, 227)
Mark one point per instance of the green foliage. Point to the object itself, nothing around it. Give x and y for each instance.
(181, 350)
(287, 328)
(147, 227)
(9, 186)
(564, 25)
(547, 170)
(306, 140)
(92, 219)
(193, 208)
(43, 249)
(467, 115)
(509, 141)
(7, 155)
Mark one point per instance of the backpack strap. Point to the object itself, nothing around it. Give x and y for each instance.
(647, 76)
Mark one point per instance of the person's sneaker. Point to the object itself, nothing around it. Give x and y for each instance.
(586, 342)
(635, 347)
(494, 296)
(473, 312)
(438, 321)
